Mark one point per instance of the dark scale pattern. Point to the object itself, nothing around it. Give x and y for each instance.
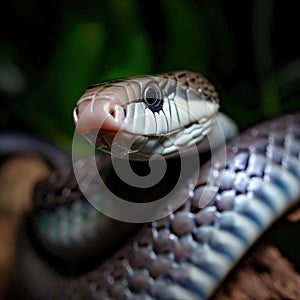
(185, 255)
(195, 81)
(59, 189)
(160, 258)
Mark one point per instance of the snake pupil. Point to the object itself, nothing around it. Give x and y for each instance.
(153, 99)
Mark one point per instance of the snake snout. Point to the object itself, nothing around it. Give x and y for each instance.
(96, 115)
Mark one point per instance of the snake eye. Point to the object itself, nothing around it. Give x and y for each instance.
(153, 97)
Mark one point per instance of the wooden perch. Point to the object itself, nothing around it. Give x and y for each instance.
(263, 274)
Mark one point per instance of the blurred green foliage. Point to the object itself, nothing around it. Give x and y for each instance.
(50, 51)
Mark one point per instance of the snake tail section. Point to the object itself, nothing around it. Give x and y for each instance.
(187, 254)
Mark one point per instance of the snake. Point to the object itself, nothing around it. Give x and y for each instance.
(69, 249)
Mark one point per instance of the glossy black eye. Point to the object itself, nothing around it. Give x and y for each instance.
(153, 98)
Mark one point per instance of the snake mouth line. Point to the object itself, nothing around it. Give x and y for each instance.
(106, 139)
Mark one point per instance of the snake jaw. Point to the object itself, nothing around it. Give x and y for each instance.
(106, 140)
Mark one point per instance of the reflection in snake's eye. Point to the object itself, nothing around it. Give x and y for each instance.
(153, 98)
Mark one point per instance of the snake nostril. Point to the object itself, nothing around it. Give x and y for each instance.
(112, 112)
(117, 112)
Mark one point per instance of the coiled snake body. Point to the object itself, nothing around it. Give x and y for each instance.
(66, 251)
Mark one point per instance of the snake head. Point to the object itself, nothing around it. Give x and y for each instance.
(147, 114)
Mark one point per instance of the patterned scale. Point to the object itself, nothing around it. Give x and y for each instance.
(188, 253)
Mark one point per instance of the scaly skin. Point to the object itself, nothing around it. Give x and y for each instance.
(183, 256)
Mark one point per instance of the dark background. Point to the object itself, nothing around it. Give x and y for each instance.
(51, 50)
